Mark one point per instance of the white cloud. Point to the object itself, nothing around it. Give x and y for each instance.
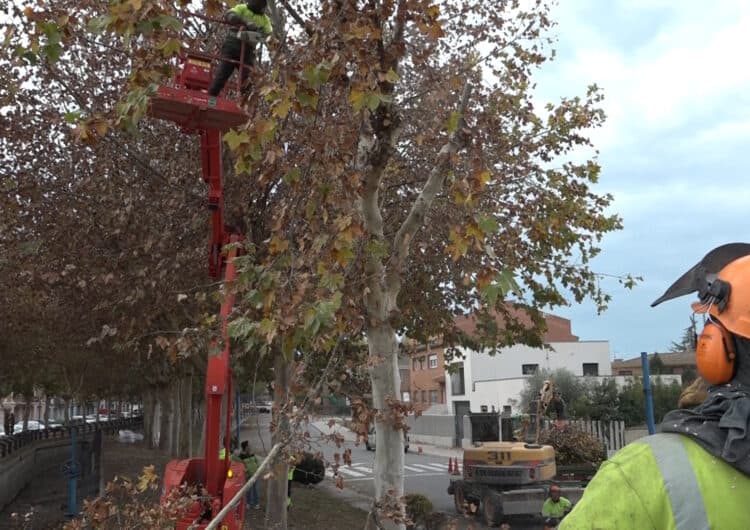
(673, 150)
(692, 64)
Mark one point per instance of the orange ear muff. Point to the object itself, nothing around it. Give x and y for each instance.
(715, 354)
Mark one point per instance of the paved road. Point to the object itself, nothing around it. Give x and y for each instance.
(425, 474)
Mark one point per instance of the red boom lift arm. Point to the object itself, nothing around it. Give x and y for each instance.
(185, 102)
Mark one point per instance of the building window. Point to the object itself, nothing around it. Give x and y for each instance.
(432, 359)
(591, 369)
(433, 396)
(625, 372)
(405, 397)
(424, 396)
(415, 395)
(529, 369)
(413, 364)
(457, 379)
(421, 363)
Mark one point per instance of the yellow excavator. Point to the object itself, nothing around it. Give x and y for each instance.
(503, 478)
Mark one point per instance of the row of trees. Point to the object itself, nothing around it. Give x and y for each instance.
(396, 167)
(604, 399)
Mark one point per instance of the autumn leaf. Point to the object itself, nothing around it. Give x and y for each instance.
(357, 99)
(458, 245)
(147, 478)
(278, 245)
(281, 108)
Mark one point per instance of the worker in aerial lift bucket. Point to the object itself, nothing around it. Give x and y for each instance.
(695, 474)
(250, 17)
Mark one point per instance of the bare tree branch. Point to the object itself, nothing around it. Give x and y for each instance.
(432, 187)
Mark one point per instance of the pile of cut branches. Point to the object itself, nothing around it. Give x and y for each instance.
(573, 446)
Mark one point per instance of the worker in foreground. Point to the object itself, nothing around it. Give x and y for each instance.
(555, 507)
(249, 17)
(696, 474)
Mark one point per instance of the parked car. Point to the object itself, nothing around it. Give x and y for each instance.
(370, 443)
(260, 406)
(311, 470)
(34, 425)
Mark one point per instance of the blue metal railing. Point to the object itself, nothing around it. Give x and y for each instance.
(9, 444)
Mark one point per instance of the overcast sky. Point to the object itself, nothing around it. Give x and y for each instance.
(674, 149)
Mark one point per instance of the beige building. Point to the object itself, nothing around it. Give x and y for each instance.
(674, 363)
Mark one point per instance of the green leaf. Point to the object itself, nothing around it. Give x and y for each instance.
(373, 100)
(240, 328)
(357, 99)
(72, 117)
(292, 175)
(30, 248)
(332, 281)
(99, 24)
(507, 282)
(52, 51)
(281, 109)
(503, 284)
(308, 100)
(167, 22)
(391, 76)
(453, 122)
(234, 139)
(171, 47)
(52, 32)
(315, 75)
(488, 224)
(312, 323)
(145, 27)
(377, 249)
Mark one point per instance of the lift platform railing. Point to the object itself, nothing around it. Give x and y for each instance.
(184, 99)
(200, 64)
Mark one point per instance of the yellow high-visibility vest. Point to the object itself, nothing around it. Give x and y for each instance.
(663, 482)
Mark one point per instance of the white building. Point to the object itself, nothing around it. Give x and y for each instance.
(497, 381)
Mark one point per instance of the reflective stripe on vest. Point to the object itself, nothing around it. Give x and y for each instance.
(688, 508)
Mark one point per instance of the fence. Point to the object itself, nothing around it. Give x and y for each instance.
(610, 433)
(47, 453)
(440, 431)
(433, 430)
(9, 444)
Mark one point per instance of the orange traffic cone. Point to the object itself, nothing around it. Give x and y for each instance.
(450, 466)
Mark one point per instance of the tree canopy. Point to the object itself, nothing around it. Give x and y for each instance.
(396, 170)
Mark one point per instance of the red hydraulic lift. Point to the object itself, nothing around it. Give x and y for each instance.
(185, 102)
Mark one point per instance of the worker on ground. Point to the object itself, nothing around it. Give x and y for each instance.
(232, 448)
(555, 507)
(251, 466)
(248, 16)
(289, 478)
(695, 474)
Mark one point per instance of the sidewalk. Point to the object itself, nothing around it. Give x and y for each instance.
(415, 445)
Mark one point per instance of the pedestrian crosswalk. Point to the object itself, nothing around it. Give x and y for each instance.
(363, 471)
